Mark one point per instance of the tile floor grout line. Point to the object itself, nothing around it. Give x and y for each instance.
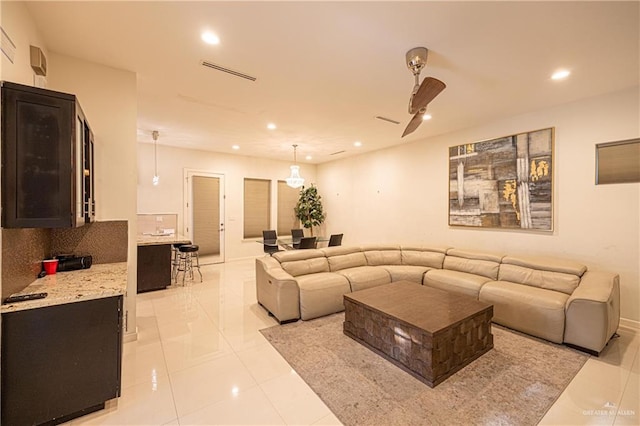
(166, 366)
(626, 386)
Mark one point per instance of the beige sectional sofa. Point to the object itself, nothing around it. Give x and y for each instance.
(557, 300)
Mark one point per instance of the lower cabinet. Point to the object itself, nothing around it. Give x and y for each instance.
(154, 267)
(60, 362)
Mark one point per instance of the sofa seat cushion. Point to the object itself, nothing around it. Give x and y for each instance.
(406, 272)
(321, 294)
(362, 277)
(456, 281)
(532, 310)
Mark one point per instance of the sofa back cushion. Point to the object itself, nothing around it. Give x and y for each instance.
(291, 255)
(548, 264)
(308, 266)
(382, 255)
(423, 256)
(302, 262)
(477, 263)
(548, 273)
(344, 257)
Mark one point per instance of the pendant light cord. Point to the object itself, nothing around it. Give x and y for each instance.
(155, 152)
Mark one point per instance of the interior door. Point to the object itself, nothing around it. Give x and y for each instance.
(205, 214)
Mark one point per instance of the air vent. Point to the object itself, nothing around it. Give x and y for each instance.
(387, 119)
(227, 70)
(337, 152)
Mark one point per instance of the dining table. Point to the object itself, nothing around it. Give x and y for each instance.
(288, 242)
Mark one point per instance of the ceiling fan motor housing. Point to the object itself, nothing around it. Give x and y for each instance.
(417, 59)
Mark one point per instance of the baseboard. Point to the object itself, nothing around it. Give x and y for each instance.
(630, 324)
(130, 337)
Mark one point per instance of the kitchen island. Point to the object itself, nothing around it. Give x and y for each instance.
(62, 355)
(154, 260)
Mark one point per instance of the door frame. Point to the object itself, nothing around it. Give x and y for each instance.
(188, 206)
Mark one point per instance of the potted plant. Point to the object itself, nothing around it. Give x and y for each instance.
(308, 209)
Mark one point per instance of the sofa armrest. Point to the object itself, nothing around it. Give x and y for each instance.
(277, 290)
(593, 311)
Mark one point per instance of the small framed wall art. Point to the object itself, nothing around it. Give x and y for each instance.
(503, 183)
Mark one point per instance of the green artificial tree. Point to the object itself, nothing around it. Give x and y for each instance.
(309, 208)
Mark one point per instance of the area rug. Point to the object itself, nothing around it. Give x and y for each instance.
(515, 383)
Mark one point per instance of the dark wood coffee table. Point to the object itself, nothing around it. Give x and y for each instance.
(428, 332)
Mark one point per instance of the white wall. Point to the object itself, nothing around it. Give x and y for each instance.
(19, 26)
(108, 97)
(400, 195)
(168, 196)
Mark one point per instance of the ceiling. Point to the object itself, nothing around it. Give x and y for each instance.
(325, 70)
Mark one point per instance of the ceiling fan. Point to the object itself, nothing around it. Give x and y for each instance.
(422, 93)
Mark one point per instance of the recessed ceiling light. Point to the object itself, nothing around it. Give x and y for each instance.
(560, 74)
(308, 157)
(236, 147)
(426, 117)
(210, 38)
(271, 126)
(357, 143)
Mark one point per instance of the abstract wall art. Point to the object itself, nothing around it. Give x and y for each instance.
(503, 183)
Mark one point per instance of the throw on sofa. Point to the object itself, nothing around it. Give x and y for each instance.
(557, 300)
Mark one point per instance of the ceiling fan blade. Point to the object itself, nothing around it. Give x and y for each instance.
(413, 124)
(428, 90)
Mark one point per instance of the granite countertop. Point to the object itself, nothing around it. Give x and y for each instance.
(154, 240)
(102, 280)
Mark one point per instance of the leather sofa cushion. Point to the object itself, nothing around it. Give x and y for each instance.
(477, 255)
(406, 272)
(321, 294)
(557, 281)
(417, 256)
(455, 281)
(362, 277)
(304, 267)
(292, 255)
(532, 310)
(345, 261)
(486, 268)
(339, 250)
(547, 264)
(383, 257)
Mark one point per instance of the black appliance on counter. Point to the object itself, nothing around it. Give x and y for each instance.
(71, 262)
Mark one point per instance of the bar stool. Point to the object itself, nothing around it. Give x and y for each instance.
(188, 261)
(175, 260)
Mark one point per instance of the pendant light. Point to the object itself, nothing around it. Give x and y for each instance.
(295, 180)
(156, 178)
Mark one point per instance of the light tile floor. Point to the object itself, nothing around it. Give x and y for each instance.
(200, 360)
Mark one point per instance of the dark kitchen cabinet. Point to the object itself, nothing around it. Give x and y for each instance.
(154, 267)
(47, 159)
(60, 362)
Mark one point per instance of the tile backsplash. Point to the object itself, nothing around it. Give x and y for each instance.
(150, 224)
(24, 249)
(106, 242)
(22, 254)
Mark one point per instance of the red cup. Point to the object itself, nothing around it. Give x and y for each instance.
(50, 266)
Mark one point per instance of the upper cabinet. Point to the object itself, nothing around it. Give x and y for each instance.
(47, 159)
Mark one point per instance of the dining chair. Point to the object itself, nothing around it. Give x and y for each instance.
(296, 235)
(307, 243)
(335, 240)
(270, 242)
